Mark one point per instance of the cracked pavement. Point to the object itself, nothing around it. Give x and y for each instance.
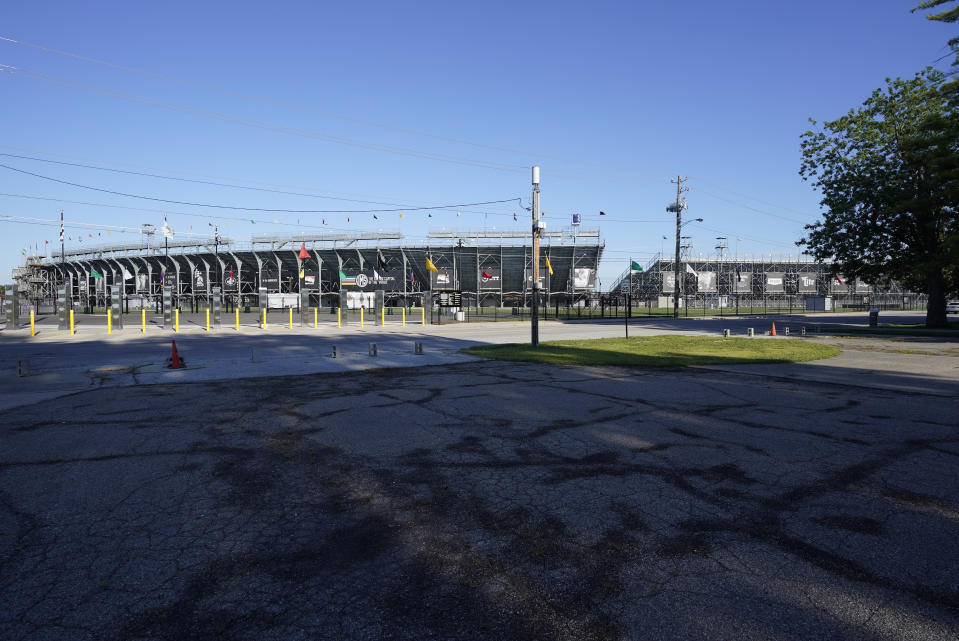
(482, 500)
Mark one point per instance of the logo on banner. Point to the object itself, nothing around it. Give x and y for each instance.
(442, 279)
(362, 280)
(309, 280)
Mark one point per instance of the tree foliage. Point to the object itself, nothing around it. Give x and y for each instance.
(888, 172)
(946, 15)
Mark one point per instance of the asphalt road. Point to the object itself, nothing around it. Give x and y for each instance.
(463, 499)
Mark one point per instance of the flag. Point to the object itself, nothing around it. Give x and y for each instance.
(401, 215)
(514, 215)
(380, 260)
(303, 253)
(602, 213)
(302, 273)
(167, 232)
(95, 273)
(548, 266)
(61, 226)
(342, 275)
(486, 274)
(429, 215)
(664, 238)
(838, 280)
(126, 274)
(375, 217)
(252, 222)
(324, 221)
(430, 266)
(635, 266)
(690, 270)
(412, 277)
(231, 272)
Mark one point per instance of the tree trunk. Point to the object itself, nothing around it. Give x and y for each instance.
(936, 307)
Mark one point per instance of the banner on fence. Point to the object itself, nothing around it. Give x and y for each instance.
(775, 281)
(807, 282)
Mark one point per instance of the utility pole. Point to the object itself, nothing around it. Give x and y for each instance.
(534, 311)
(63, 262)
(677, 207)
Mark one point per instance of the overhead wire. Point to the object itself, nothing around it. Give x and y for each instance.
(301, 108)
(259, 209)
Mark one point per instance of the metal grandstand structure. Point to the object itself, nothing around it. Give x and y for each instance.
(489, 268)
(735, 284)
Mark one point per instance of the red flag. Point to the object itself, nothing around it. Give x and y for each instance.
(303, 253)
(838, 280)
(486, 274)
(231, 272)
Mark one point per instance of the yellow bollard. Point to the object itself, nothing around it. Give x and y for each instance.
(72, 332)
(33, 331)
(339, 320)
(404, 315)
(237, 316)
(109, 321)
(207, 319)
(383, 316)
(176, 326)
(143, 321)
(291, 318)
(263, 325)
(361, 317)
(314, 317)
(422, 316)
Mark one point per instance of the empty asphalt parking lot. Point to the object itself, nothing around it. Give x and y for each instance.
(461, 499)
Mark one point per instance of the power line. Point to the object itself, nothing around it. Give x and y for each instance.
(261, 209)
(301, 108)
(258, 124)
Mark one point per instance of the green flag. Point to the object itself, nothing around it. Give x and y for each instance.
(95, 273)
(342, 275)
(635, 266)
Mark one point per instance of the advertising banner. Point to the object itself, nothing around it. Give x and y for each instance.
(775, 281)
(491, 279)
(143, 283)
(372, 279)
(443, 279)
(743, 282)
(706, 281)
(669, 282)
(584, 278)
(229, 280)
(270, 277)
(807, 282)
(863, 287)
(199, 279)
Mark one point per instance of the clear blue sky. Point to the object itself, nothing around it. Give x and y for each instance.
(612, 100)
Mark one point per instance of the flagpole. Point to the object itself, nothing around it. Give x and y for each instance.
(629, 290)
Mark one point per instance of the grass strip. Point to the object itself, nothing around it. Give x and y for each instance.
(659, 351)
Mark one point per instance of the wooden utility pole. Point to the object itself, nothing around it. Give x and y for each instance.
(534, 310)
(678, 208)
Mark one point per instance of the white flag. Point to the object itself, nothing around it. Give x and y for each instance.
(167, 232)
(690, 270)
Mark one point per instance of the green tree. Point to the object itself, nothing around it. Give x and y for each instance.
(946, 15)
(888, 172)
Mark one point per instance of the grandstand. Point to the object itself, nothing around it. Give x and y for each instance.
(488, 268)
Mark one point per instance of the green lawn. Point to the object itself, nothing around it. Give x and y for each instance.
(659, 351)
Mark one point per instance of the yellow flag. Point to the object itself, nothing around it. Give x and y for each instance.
(302, 273)
(548, 266)
(430, 266)
(401, 215)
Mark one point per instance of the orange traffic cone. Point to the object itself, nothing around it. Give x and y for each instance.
(771, 333)
(175, 361)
